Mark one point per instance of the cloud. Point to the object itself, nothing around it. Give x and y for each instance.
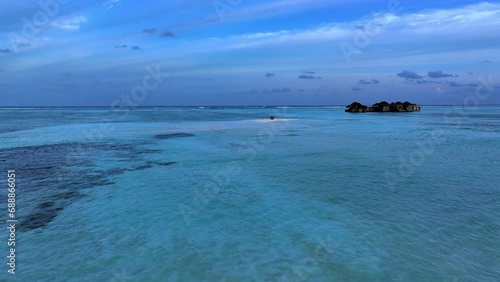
(149, 30)
(409, 74)
(309, 72)
(421, 81)
(439, 90)
(485, 61)
(269, 8)
(273, 90)
(438, 74)
(69, 24)
(66, 74)
(357, 89)
(371, 81)
(456, 84)
(307, 76)
(110, 4)
(424, 81)
(5, 51)
(121, 46)
(269, 74)
(168, 33)
(20, 44)
(136, 48)
(431, 26)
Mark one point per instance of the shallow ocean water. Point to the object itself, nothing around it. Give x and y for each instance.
(220, 194)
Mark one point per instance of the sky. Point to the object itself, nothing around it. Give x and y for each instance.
(242, 52)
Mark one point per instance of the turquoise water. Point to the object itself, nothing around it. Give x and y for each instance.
(220, 194)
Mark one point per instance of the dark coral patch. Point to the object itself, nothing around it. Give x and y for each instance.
(173, 135)
(166, 163)
(41, 217)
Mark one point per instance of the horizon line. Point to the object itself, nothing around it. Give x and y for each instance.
(233, 106)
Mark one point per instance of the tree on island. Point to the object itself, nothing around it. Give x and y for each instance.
(356, 108)
(383, 106)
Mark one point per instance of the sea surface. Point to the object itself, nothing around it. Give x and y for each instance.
(223, 194)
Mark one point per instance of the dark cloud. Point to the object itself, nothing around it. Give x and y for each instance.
(254, 91)
(371, 81)
(121, 46)
(357, 89)
(421, 81)
(66, 74)
(309, 72)
(306, 76)
(168, 33)
(5, 51)
(425, 81)
(438, 74)
(409, 74)
(149, 30)
(269, 74)
(136, 48)
(485, 61)
(369, 27)
(456, 84)
(274, 90)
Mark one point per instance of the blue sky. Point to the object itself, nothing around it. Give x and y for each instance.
(241, 52)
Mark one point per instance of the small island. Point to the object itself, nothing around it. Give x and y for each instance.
(383, 107)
